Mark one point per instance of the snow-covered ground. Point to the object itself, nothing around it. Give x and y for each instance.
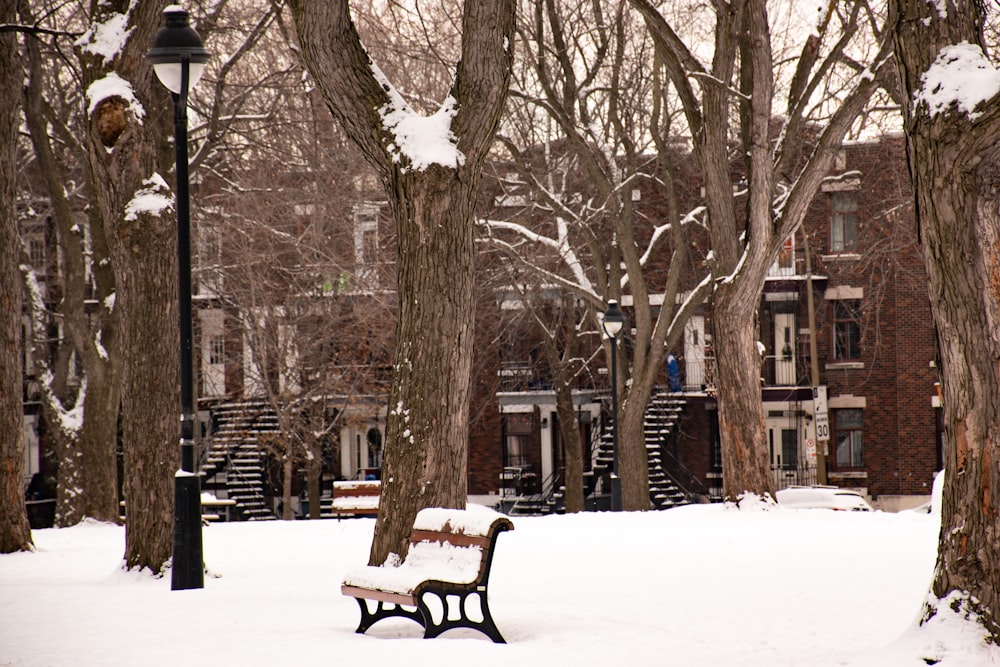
(703, 586)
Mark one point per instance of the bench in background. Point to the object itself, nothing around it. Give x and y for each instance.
(356, 498)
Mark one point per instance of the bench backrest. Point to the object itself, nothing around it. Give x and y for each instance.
(357, 488)
(478, 529)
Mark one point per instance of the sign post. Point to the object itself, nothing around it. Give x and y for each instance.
(822, 426)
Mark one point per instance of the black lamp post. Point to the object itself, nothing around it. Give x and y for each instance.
(613, 323)
(179, 58)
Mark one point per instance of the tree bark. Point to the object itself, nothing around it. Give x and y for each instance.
(143, 250)
(426, 456)
(427, 424)
(15, 533)
(562, 346)
(745, 464)
(954, 161)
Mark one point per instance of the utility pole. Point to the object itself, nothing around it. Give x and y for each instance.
(813, 355)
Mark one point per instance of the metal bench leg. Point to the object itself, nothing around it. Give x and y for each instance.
(433, 629)
(384, 610)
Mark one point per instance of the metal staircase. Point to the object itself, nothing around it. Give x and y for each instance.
(233, 466)
(663, 414)
(662, 417)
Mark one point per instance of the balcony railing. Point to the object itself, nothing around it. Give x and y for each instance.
(523, 376)
(695, 375)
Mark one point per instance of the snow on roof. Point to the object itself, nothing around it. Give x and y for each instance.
(961, 75)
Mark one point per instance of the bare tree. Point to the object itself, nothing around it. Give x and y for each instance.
(87, 472)
(293, 252)
(15, 534)
(586, 128)
(953, 146)
(746, 234)
(431, 199)
(561, 322)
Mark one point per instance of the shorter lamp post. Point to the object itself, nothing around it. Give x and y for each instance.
(178, 57)
(612, 324)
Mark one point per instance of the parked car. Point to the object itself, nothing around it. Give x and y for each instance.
(823, 497)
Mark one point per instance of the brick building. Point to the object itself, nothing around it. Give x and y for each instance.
(875, 361)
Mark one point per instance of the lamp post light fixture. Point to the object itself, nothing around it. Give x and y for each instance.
(178, 57)
(612, 324)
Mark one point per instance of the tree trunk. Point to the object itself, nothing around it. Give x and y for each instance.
(427, 424)
(143, 249)
(66, 447)
(955, 167)
(90, 469)
(572, 444)
(98, 444)
(147, 280)
(314, 475)
(287, 473)
(632, 457)
(745, 464)
(15, 534)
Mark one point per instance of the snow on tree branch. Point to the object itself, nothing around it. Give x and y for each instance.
(106, 39)
(423, 140)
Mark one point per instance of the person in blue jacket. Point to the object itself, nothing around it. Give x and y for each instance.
(673, 372)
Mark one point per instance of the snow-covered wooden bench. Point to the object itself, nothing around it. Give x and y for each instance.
(449, 558)
(356, 498)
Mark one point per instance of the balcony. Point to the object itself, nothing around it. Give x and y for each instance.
(521, 376)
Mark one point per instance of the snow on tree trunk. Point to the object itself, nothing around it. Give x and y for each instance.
(953, 147)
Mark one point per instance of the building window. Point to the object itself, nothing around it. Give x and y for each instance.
(369, 245)
(365, 234)
(850, 450)
(36, 251)
(846, 329)
(217, 350)
(843, 221)
(789, 449)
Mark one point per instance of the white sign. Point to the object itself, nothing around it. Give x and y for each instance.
(819, 411)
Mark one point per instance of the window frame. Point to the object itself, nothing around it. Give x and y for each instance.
(848, 433)
(846, 330)
(843, 218)
(217, 349)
